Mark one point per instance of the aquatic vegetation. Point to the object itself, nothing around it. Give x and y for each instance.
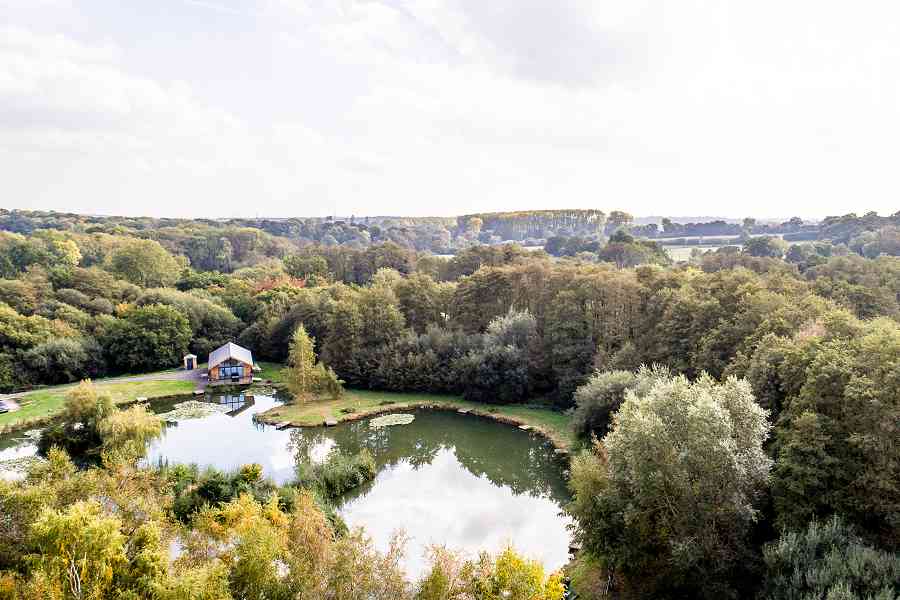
(193, 409)
(338, 473)
(392, 419)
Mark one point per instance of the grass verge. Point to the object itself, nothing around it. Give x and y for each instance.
(357, 404)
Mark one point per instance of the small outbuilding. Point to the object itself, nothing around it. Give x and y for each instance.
(231, 364)
(190, 362)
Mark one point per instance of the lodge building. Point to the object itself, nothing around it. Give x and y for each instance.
(231, 364)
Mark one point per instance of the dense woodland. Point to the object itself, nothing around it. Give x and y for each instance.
(740, 412)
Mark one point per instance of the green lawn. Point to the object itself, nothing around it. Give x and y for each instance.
(44, 403)
(270, 371)
(553, 424)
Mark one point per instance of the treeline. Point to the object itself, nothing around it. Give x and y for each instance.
(86, 305)
(522, 225)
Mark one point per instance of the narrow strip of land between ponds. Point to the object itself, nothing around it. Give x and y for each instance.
(359, 404)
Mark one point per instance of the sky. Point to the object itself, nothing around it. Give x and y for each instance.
(277, 108)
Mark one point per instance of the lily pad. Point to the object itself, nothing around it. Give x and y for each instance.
(392, 419)
(193, 409)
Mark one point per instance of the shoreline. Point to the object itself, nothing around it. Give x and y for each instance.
(563, 446)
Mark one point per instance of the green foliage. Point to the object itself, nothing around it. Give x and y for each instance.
(304, 376)
(667, 499)
(337, 474)
(598, 399)
(64, 360)
(765, 246)
(145, 263)
(306, 266)
(90, 423)
(212, 324)
(81, 551)
(828, 561)
(835, 446)
(146, 338)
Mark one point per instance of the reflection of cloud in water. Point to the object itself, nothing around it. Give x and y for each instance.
(227, 442)
(443, 503)
(319, 451)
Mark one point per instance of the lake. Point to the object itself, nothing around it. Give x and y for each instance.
(467, 482)
(463, 481)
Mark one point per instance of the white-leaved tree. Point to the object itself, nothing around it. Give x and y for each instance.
(665, 501)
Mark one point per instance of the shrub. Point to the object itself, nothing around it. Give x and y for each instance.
(598, 399)
(829, 561)
(339, 473)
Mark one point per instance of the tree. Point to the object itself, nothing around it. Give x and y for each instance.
(146, 338)
(81, 550)
(304, 376)
(63, 360)
(301, 372)
(665, 501)
(91, 423)
(835, 443)
(306, 266)
(145, 263)
(765, 246)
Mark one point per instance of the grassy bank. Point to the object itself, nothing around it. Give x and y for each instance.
(270, 371)
(356, 404)
(40, 405)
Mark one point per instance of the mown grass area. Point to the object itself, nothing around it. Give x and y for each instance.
(359, 403)
(45, 403)
(270, 371)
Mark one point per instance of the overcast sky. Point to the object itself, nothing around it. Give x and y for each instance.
(439, 107)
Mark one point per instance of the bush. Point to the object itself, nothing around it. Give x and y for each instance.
(598, 399)
(65, 360)
(828, 561)
(498, 374)
(338, 474)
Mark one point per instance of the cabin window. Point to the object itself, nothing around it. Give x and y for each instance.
(231, 368)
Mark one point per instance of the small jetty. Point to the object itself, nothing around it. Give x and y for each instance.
(330, 422)
(525, 427)
(463, 411)
(282, 425)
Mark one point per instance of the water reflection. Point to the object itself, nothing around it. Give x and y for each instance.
(225, 439)
(15, 448)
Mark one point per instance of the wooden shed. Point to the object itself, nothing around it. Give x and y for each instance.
(231, 364)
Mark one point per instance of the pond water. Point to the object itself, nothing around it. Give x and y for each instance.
(463, 481)
(15, 449)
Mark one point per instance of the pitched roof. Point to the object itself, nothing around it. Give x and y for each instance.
(229, 350)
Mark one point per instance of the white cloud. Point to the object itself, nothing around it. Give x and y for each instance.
(445, 106)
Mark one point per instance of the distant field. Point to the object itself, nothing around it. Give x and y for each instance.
(683, 253)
